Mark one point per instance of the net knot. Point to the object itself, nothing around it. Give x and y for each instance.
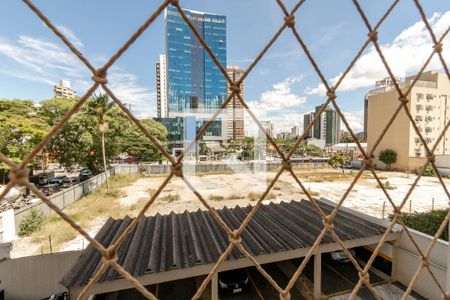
(368, 162)
(177, 169)
(425, 262)
(397, 213)
(20, 176)
(289, 21)
(110, 254)
(285, 295)
(331, 94)
(373, 36)
(235, 88)
(438, 48)
(235, 237)
(287, 164)
(328, 222)
(100, 76)
(173, 2)
(403, 99)
(431, 158)
(364, 276)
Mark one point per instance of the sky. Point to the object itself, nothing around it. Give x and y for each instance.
(282, 87)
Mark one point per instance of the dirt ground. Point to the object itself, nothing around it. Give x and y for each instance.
(229, 190)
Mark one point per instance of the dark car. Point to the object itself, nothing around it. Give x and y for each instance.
(58, 179)
(85, 174)
(233, 281)
(69, 181)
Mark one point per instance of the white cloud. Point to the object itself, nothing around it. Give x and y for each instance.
(279, 98)
(46, 62)
(355, 120)
(277, 105)
(70, 35)
(406, 54)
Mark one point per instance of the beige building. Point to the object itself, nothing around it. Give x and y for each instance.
(429, 105)
(62, 90)
(235, 110)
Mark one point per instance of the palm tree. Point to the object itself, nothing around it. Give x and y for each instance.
(99, 107)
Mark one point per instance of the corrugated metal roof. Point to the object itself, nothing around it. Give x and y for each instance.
(166, 242)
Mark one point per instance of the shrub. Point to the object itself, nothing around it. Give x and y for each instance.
(31, 222)
(429, 171)
(426, 222)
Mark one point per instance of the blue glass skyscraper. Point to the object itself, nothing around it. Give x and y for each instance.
(195, 85)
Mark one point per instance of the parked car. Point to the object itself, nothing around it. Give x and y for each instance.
(58, 179)
(42, 178)
(341, 256)
(50, 189)
(85, 174)
(233, 281)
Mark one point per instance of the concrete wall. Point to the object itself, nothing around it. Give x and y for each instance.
(228, 167)
(409, 260)
(35, 277)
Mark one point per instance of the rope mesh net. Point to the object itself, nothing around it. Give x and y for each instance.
(19, 173)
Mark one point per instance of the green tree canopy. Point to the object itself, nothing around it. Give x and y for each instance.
(388, 156)
(339, 161)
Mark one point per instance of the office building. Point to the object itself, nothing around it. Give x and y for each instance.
(429, 105)
(326, 128)
(195, 85)
(63, 90)
(235, 109)
(161, 87)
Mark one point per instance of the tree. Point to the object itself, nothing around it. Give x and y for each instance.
(99, 107)
(339, 161)
(21, 130)
(313, 150)
(136, 144)
(388, 156)
(347, 139)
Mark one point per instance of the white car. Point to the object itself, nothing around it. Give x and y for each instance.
(341, 257)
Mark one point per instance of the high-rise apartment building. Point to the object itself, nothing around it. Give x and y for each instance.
(195, 85)
(62, 90)
(235, 109)
(161, 87)
(429, 104)
(326, 128)
(380, 85)
(307, 119)
(295, 131)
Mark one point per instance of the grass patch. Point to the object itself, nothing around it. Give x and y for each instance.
(100, 203)
(310, 192)
(235, 197)
(216, 197)
(170, 198)
(252, 196)
(387, 185)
